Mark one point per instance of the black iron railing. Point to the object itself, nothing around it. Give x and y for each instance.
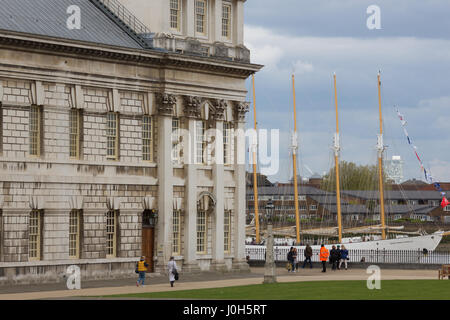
(257, 253)
(126, 16)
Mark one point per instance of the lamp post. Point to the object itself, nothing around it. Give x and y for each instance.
(269, 268)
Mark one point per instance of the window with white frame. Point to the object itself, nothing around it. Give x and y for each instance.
(176, 232)
(112, 135)
(200, 141)
(74, 233)
(302, 207)
(201, 231)
(302, 198)
(111, 233)
(227, 143)
(227, 231)
(200, 16)
(226, 21)
(447, 208)
(175, 15)
(35, 130)
(35, 234)
(147, 138)
(313, 207)
(75, 120)
(176, 141)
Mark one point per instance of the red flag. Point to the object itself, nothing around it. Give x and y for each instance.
(444, 202)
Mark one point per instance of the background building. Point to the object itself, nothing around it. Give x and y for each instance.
(394, 169)
(105, 148)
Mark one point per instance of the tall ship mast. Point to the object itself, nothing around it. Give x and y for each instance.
(380, 149)
(337, 148)
(255, 178)
(294, 160)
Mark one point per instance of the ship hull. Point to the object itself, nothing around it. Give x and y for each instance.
(428, 242)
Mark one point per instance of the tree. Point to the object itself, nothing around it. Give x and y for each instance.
(353, 177)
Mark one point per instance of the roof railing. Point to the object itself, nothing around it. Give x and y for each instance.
(126, 16)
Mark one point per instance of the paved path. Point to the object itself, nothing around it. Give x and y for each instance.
(197, 281)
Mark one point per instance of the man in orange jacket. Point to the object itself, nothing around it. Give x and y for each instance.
(324, 253)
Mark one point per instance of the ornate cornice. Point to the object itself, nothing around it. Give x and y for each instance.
(165, 103)
(192, 106)
(162, 58)
(241, 108)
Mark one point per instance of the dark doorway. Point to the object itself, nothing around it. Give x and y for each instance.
(148, 237)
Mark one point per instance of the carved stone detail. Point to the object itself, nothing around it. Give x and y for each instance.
(241, 108)
(166, 103)
(220, 107)
(192, 106)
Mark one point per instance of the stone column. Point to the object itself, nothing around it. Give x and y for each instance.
(218, 262)
(191, 111)
(238, 22)
(166, 103)
(189, 18)
(239, 261)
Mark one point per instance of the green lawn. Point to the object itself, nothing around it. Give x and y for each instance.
(317, 290)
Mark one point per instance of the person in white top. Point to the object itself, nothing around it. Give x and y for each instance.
(172, 270)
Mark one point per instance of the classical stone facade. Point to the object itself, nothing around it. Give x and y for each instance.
(98, 140)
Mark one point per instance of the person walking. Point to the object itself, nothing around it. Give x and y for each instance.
(344, 257)
(172, 270)
(295, 260)
(141, 268)
(323, 255)
(308, 255)
(334, 256)
(290, 258)
(338, 260)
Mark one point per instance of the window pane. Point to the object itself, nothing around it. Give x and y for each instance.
(147, 138)
(200, 141)
(201, 231)
(176, 231)
(200, 12)
(111, 135)
(34, 130)
(111, 222)
(74, 121)
(175, 10)
(226, 23)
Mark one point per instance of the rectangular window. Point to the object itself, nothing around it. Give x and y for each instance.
(111, 233)
(112, 135)
(201, 231)
(227, 143)
(200, 16)
(302, 207)
(447, 208)
(200, 141)
(74, 234)
(226, 21)
(176, 141)
(227, 231)
(34, 235)
(75, 133)
(313, 207)
(147, 138)
(35, 130)
(176, 223)
(175, 14)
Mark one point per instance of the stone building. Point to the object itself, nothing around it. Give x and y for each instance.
(106, 147)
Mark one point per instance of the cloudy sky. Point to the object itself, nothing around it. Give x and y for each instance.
(313, 39)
